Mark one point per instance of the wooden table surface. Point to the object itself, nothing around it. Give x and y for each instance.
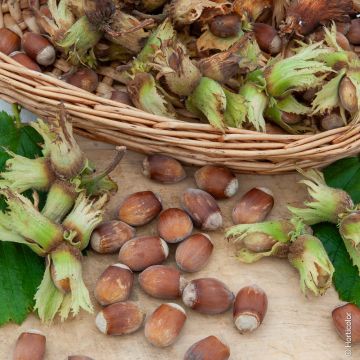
(295, 327)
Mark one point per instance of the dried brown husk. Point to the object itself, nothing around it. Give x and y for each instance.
(303, 16)
(186, 12)
(279, 11)
(181, 75)
(99, 11)
(220, 67)
(127, 31)
(251, 9)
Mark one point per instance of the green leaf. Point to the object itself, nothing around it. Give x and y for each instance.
(343, 174)
(21, 270)
(346, 277)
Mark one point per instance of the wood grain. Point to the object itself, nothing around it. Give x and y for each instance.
(294, 328)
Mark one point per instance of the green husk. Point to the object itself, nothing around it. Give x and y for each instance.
(349, 228)
(208, 100)
(67, 265)
(326, 205)
(236, 109)
(79, 41)
(256, 101)
(25, 220)
(60, 199)
(48, 298)
(83, 219)
(145, 96)
(308, 255)
(66, 157)
(272, 238)
(22, 174)
(163, 32)
(296, 73)
(98, 183)
(328, 97)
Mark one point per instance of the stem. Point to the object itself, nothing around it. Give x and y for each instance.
(16, 113)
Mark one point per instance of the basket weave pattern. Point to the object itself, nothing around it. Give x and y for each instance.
(193, 143)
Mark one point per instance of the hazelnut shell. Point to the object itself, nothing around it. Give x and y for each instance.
(140, 208)
(141, 252)
(39, 48)
(210, 348)
(30, 345)
(9, 41)
(347, 317)
(193, 254)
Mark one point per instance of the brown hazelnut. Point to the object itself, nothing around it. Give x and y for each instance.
(25, 60)
(120, 319)
(122, 97)
(140, 208)
(210, 348)
(332, 121)
(194, 253)
(62, 285)
(218, 181)
(202, 208)
(250, 307)
(39, 48)
(225, 26)
(30, 345)
(162, 282)
(163, 168)
(110, 236)
(343, 27)
(9, 41)
(114, 284)
(254, 206)
(346, 319)
(79, 357)
(207, 296)
(174, 225)
(343, 41)
(165, 324)
(267, 37)
(353, 34)
(141, 252)
(84, 78)
(348, 95)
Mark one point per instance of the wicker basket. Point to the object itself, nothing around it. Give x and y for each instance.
(193, 143)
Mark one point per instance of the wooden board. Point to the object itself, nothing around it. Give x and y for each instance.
(294, 328)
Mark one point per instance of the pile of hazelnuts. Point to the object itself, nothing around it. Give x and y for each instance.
(145, 254)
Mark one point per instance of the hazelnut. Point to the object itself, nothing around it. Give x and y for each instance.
(343, 27)
(202, 208)
(39, 48)
(79, 357)
(144, 251)
(218, 181)
(174, 225)
(343, 41)
(122, 97)
(332, 121)
(346, 319)
(110, 236)
(250, 307)
(84, 78)
(267, 38)
(210, 348)
(25, 61)
(163, 169)
(194, 253)
(163, 282)
(225, 26)
(30, 346)
(140, 208)
(353, 34)
(9, 41)
(348, 95)
(165, 324)
(207, 296)
(114, 284)
(62, 285)
(120, 319)
(254, 206)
